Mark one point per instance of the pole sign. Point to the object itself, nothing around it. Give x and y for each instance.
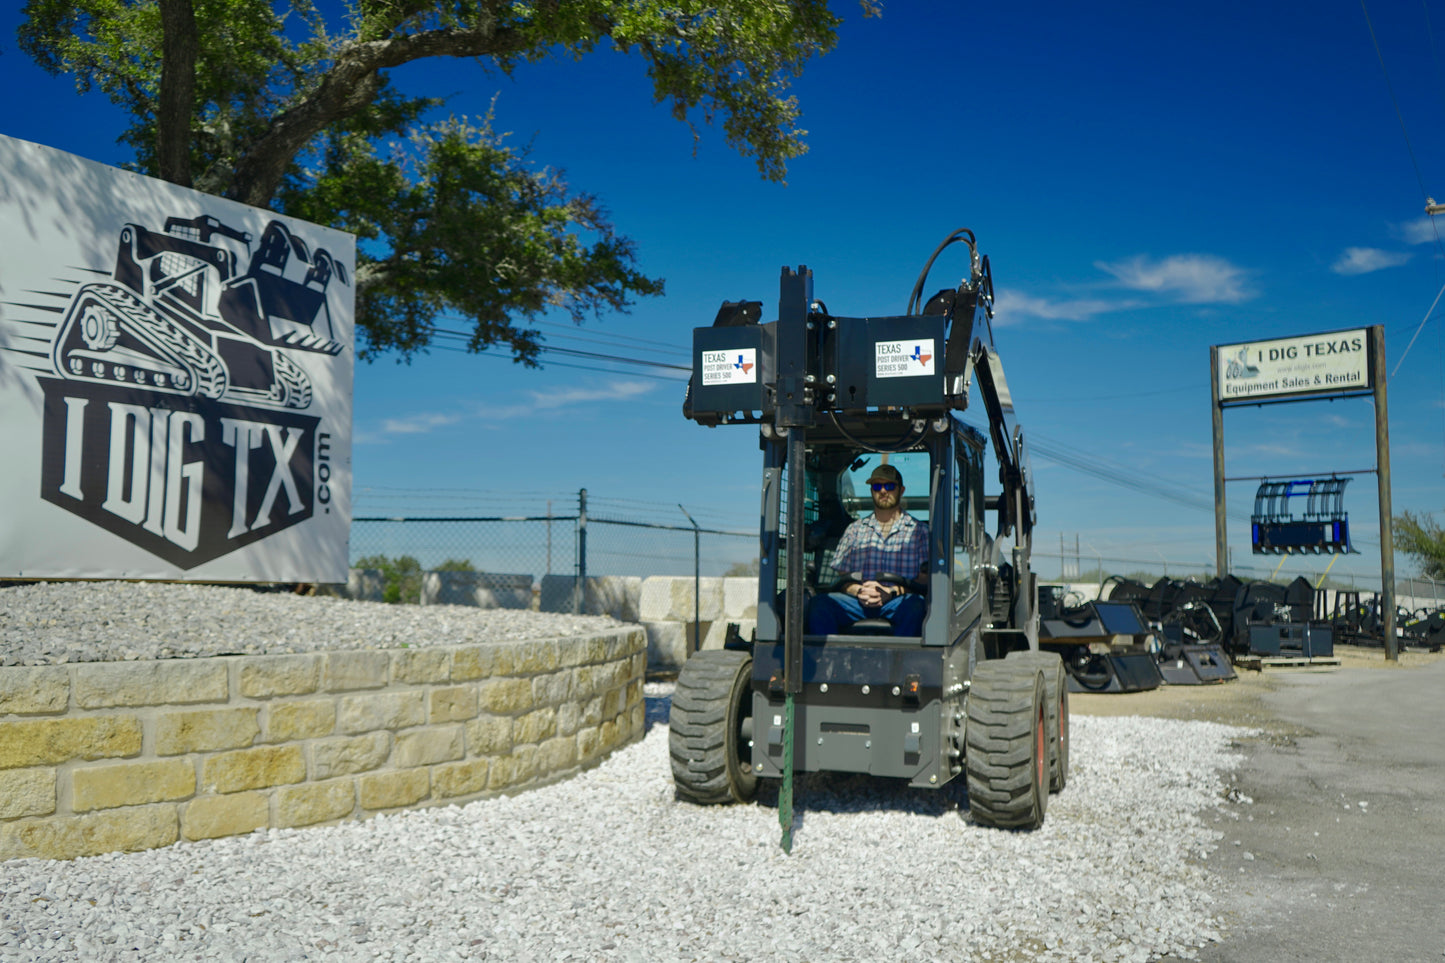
(175, 380)
(1312, 364)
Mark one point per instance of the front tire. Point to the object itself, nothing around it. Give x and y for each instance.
(710, 727)
(1007, 745)
(1056, 689)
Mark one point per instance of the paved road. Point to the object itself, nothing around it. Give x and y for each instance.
(1344, 858)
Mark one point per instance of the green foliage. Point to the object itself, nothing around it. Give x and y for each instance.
(1422, 539)
(401, 576)
(749, 567)
(276, 106)
(455, 565)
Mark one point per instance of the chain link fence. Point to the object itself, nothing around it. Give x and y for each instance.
(545, 545)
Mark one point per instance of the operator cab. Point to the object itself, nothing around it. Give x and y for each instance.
(942, 472)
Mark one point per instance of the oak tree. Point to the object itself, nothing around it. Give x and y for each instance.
(276, 105)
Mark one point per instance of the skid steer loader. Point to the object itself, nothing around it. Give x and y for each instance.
(970, 695)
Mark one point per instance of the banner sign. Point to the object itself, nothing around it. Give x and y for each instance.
(175, 381)
(1312, 364)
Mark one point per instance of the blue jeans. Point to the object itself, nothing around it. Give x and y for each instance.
(829, 614)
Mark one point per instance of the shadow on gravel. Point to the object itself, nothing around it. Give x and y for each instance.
(833, 792)
(658, 709)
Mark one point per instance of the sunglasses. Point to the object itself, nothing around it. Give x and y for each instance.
(884, 486)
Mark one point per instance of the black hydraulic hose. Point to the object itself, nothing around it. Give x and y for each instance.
(915, 299)
(913, 437)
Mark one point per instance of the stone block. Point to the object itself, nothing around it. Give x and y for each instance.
(529, 657)
(210, 817)
(740, 598)
(46, 742)
(473, 662)
(366, 585)
(556, 755)
(420, 666)
(552, 689)
(315, 802)
(27, 792)
(514, 769)
(389, 790)
(535, 726)
(667, 644)
(346, 671)
(589, 743)
(32, 690)
(206, 730)
(505, 696)
(488, 590)
(264, 676)
(427, 747)
(257, 768)
(489, 736)
(569, 717)
(131, 784)
(67, 837)
(384, 710)
(460, 778)
(452, 704)
(309, 719)
(616, 595)
(345, 756)
(104, 685)
(676, 598)
(583, 651)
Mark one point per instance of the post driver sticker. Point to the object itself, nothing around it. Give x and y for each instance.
(904, 359)
(738, 366)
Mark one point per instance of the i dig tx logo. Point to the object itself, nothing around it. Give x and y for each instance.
(175, 403)
(744, 366)
(919, 356)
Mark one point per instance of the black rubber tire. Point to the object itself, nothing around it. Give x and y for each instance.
(1056, 688)
(1006, 744)
(711, 758)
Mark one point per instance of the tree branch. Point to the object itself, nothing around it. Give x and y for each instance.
(348, 86)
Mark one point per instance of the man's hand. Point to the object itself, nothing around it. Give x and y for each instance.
(872, 594)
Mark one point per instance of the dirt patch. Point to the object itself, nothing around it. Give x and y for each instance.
(1240, 702)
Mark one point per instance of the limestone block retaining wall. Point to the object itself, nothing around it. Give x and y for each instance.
(122, 756)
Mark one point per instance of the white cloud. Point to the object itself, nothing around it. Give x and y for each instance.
(1419, 231)
(424, 422)
(418, 424)
(1363, 260)
(1014, 306)
(1186, 278)
(616, 391)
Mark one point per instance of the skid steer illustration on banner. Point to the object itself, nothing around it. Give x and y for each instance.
(179, 317)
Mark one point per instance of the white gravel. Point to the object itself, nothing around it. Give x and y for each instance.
(52, 622)
(608, 866)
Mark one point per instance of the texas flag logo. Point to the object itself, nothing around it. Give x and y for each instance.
(909, 358)
(743, 365)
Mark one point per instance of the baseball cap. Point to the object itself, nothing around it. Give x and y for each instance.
(885, 473)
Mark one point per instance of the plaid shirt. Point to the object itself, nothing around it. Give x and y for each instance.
(865, 549)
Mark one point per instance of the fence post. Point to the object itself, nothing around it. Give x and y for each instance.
(696, 583)
(580, 589)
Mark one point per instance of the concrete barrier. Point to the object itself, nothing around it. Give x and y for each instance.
(488, 590)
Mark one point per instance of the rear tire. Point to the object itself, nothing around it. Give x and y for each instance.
(1056, 688)
(711, 709)
(1007, 745)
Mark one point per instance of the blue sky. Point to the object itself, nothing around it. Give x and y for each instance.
(1147, 180)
